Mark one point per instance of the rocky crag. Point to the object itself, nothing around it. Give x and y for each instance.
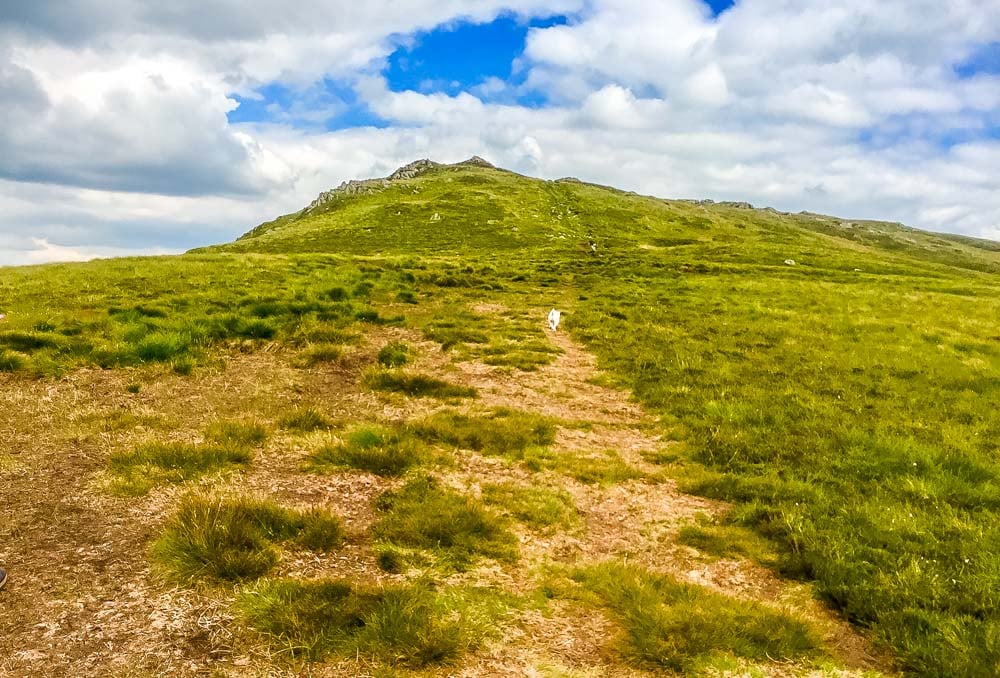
(370, 186)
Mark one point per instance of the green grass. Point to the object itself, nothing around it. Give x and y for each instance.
(456, 528)
(607, 468)
(497, 432)
(394, 354)
(319, 354)
(236, 433)
(202, 304)
(413, 626)
(511, 339)
(416, 385)
(669, 625)
(543, 509)
(726, 541)
(11, 361)
(306, 420)
(236, 539)
(149, 465)
(848, 415)
(382, 451)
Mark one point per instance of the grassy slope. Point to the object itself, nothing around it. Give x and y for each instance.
(844, 403)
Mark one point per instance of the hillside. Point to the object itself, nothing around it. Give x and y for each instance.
(346, 443)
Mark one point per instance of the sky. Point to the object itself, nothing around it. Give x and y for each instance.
(132, 127)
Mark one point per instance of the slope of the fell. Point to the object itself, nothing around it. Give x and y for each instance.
(470, 206)
(836, 381)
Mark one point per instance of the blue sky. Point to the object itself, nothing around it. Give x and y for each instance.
(862, 109)
(452, 58)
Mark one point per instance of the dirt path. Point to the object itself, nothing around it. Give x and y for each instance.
(82, 600)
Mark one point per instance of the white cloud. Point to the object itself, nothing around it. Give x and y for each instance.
(116, 104)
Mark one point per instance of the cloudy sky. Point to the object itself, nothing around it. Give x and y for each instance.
(129, 126)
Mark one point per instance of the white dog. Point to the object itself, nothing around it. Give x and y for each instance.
(554, 317)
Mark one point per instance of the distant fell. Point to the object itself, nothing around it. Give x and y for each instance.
(429, 207)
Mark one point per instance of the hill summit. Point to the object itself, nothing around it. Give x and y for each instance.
(426, 207)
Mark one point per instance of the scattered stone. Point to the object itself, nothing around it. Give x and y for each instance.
(789, 262)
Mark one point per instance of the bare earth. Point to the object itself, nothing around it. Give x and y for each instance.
(83, 601)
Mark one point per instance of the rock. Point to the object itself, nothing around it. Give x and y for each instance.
(436, 217)
(737, 205)
(370, 186)
(414, 169)
(476, 161)
(353, 187)
(789, 262)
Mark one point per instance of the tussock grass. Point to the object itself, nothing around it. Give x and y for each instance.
(319, 354)
(412, 626)
(727, 541)
(379, 450)
(416, 385)
(454, 527)
(139, 470)
(497, 432)
(11, 361)
(306, 420)
(669, 625)
(543, 509)
(394, 354)
(236, 539)
(236, 433)
(607, 468)
(847, 414)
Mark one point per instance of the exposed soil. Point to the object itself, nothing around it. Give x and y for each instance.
(83, 601)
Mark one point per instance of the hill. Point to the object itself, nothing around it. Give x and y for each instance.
(366, 394)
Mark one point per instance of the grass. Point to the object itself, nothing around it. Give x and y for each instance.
(497, 432)
(416, 385)
(669, 625)
(726, 541)
(607, 468)
(305, 420)
(846, 414)
(319, 354)
(176, 311)
(10, 361)
(235, 539)
(412, 626)
(379, 450)
(394, 354)
(236, 433)
(509, 339)
(543, 509)
(149, 465)
(456, 528)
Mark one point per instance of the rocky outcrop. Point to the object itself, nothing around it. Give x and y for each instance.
(413, 170)
(476, 161)
(353, 187)
(370, 186)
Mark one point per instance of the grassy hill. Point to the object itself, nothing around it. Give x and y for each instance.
(832, 381)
